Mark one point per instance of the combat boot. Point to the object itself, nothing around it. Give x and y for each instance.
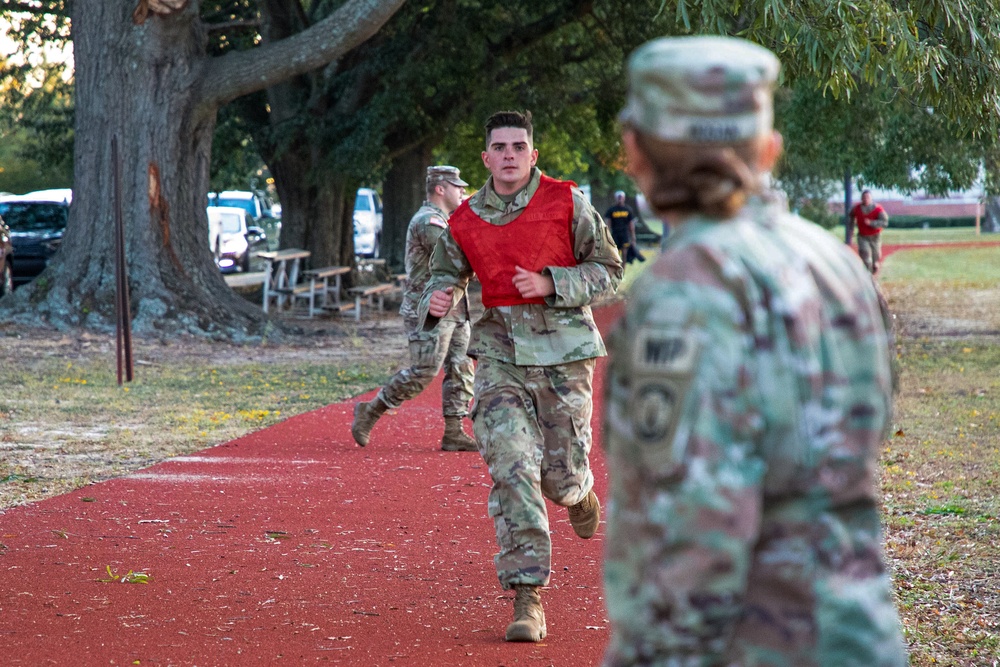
(585, 516)
(365, 416)
(529, 618)
(455, 438)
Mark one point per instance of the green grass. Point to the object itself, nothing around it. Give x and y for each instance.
(943, 235)
(972, 266)
(53, 408)
(940, 468)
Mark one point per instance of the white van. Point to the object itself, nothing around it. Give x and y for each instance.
(367, 223)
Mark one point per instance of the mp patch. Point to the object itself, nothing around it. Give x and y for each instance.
(664, 352)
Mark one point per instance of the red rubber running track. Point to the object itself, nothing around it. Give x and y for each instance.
(292, 546)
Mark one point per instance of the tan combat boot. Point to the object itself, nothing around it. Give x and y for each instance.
(365, 416)
(529, 619)
(585, 516)
(455, 438)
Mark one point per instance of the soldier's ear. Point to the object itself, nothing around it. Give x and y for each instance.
(770, 151)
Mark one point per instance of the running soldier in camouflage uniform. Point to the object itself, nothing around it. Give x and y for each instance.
(748, 394)
(447, 346)
(543, 255)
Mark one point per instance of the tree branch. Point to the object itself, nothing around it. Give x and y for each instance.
(240, 72)
(216, 27)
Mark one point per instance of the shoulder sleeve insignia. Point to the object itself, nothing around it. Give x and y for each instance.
(437, 221)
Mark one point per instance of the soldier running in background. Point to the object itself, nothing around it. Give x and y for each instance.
(749, 392)
(543, 255)
(870, 219)
(447, 346)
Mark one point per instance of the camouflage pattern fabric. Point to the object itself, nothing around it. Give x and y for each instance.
(748, 394)
(533, 391)
(870, 251)
(562, 329)
(452, 339)
(532, 424)
(427, 225)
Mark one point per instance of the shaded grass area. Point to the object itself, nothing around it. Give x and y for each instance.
(940, 466)
(67, 424)
(939, 482)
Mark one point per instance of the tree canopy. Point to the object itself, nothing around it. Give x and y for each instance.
(906, 94)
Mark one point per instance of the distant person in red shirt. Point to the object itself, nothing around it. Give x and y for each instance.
(870, 219)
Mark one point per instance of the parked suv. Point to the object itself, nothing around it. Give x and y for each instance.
(37, 221)
(367, 223)
(250, 201)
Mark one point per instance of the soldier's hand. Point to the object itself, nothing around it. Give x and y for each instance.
(532, 285)
(440, 303)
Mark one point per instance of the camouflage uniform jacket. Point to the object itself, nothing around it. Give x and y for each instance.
(560, 331)
(749, 392)
(428, 224)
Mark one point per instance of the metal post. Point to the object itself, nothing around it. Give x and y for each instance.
(123, 315)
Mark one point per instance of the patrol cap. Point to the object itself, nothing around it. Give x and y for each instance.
(705, 89)
(445, 174)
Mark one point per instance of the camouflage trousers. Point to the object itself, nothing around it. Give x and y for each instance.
(870, 250)
(456, 389)
(533, 428)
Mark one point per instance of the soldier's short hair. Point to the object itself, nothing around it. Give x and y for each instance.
(509, 119)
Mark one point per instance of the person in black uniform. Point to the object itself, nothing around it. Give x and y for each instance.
(621, 219)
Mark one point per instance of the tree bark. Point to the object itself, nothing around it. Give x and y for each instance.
(143, 76)
(314, 208)
(403, 192)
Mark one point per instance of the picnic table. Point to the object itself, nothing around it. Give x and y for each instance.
(325, 283)
(283, 268)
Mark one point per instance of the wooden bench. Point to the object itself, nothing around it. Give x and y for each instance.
(369, 293)
(324, 283)
(246, 279)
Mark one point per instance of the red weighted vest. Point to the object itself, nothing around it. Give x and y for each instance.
(541, 236)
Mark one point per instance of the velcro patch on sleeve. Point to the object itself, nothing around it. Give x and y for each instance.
(437, 221)
(664, 361)
(670, 353)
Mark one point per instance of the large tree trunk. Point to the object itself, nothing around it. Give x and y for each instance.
(143, 76)
(164, 162)
(403, 192)
(317, 211)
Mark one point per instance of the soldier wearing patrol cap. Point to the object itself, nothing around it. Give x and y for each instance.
(749, 391)
(447, 346)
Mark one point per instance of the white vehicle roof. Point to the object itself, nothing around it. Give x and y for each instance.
(235, 194)
(55, 195)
